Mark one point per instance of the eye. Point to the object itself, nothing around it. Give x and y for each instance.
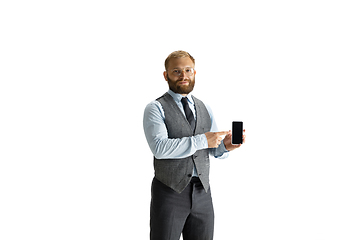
(189, 71)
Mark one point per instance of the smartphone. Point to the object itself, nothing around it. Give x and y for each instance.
(237, 133)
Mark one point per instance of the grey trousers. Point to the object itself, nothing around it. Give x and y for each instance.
(189, 212)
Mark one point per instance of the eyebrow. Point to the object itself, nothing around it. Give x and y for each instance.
(180, 68)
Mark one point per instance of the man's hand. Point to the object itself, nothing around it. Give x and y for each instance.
(214, 138)
(227, 142)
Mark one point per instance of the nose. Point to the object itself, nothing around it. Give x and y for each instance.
(183, 74)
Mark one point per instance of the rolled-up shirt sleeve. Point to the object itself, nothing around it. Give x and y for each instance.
(220, 151)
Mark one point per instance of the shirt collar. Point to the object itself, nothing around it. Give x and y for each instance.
(177, 97)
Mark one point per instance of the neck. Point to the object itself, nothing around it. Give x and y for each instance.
(184, 95)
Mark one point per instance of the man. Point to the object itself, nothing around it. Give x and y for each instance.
(181, 133)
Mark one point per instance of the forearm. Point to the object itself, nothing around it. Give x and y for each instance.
(220, 151)
(177, 148)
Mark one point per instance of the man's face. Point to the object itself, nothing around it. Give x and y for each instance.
(180, 75)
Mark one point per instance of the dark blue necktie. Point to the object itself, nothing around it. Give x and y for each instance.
(188, 113)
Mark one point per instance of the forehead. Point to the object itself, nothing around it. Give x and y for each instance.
(180, 63)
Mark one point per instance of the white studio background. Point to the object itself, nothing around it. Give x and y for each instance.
(77, 75)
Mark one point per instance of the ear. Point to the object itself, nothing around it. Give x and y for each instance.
(165, 76)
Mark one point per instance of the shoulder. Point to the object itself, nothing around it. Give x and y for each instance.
(153, 106)
(165, 97)
(153, 110)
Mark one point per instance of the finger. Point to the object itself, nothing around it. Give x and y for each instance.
(222, 133)
(228, 136)
(236, 145)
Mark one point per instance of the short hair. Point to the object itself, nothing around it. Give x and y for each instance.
(178, 54)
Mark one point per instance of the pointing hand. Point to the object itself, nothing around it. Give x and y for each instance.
(214, 138)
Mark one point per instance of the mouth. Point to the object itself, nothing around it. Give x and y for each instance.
(183, 82)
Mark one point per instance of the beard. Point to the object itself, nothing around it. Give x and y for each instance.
(181, 89)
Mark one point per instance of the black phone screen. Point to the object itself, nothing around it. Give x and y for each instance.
(237, 132)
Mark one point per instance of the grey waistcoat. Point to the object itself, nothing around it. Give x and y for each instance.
(177, 173)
